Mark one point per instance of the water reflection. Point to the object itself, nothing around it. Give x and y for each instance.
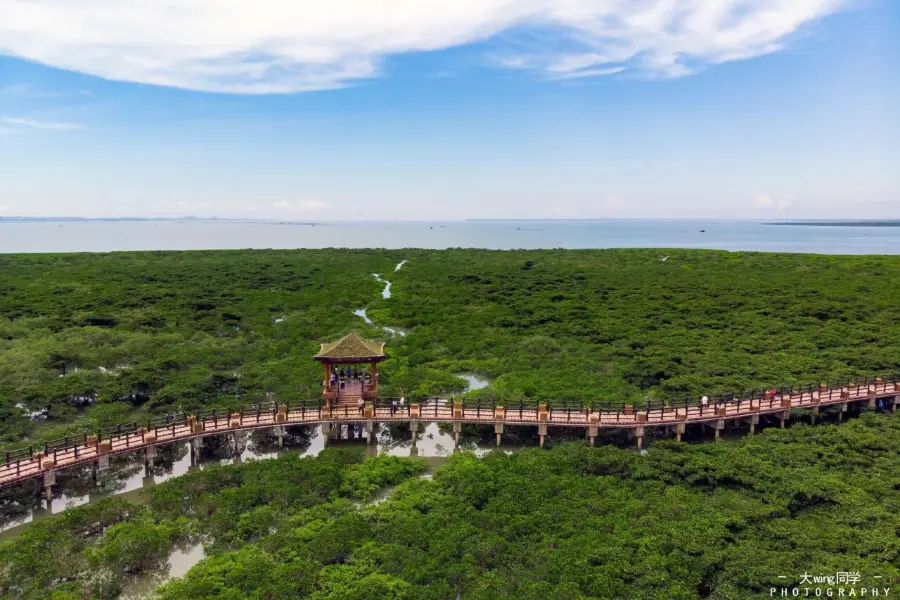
(129, 475)
(474, 381)
(178, 564)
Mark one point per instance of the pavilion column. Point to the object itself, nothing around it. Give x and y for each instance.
(373, 371)
(327, 376)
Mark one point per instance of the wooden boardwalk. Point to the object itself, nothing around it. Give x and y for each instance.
(32, 463)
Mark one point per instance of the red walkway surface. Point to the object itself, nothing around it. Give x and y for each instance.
(14, 471)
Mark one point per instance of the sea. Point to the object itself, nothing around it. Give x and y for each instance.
(733, 235)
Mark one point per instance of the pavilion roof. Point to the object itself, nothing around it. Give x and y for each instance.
(351, 347)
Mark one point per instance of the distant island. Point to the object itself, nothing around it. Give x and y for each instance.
(884, 223)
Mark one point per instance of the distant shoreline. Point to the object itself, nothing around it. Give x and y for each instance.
(887, 223)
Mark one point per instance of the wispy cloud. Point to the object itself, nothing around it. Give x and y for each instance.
(37, 124)
(31, 92)
(280, 46)
(590, 73)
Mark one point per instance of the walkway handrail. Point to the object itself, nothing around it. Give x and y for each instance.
(31, 461)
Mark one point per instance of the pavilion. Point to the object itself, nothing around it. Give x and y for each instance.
(350, 350)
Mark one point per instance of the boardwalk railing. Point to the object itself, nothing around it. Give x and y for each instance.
(32, 461)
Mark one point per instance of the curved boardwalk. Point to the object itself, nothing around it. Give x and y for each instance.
(43, 462)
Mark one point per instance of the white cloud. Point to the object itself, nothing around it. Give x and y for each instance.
(302, 205)
(591, 73)
(278, 46)
(4, 208)
(36, 124)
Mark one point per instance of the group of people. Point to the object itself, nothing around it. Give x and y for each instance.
(704, 401)
(346, 374)
(395, 405)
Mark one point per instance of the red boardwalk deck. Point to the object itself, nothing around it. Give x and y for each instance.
(21, 466)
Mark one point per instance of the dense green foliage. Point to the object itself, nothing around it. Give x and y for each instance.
(152, 332)
(720, 521)
(88, 551)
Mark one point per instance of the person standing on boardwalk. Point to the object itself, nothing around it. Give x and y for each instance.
(360, 403)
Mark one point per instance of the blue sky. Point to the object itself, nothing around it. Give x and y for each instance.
(474, 109)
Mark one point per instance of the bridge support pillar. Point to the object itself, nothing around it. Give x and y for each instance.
(498, 429)
(717, 426)
(370, 432)
(542, 432)
(102, 463)
(279, 431)
(813, 414)
(149, 459)
(49, 480)
(240, 441)
(784, 416)
(639, 434)
(843, 409)
(871, 402)
(894, 403)
(592, 432)
(414, 430)
(753, 421)
(196, 447)
(679, 430)
(457, 429)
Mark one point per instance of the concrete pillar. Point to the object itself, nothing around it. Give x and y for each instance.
(498, 429)
(49, 481)
(679, 430)
(149, 459)
(639, 435)
(542, 432)
(196, 447)
(457, 429)
(872, 401)
(102, 463)
(813, 414)
(894, 403)
(240, 441)
(753, 421)
(784, 416)
(279, 431)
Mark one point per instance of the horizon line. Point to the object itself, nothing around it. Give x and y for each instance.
(21, 218)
